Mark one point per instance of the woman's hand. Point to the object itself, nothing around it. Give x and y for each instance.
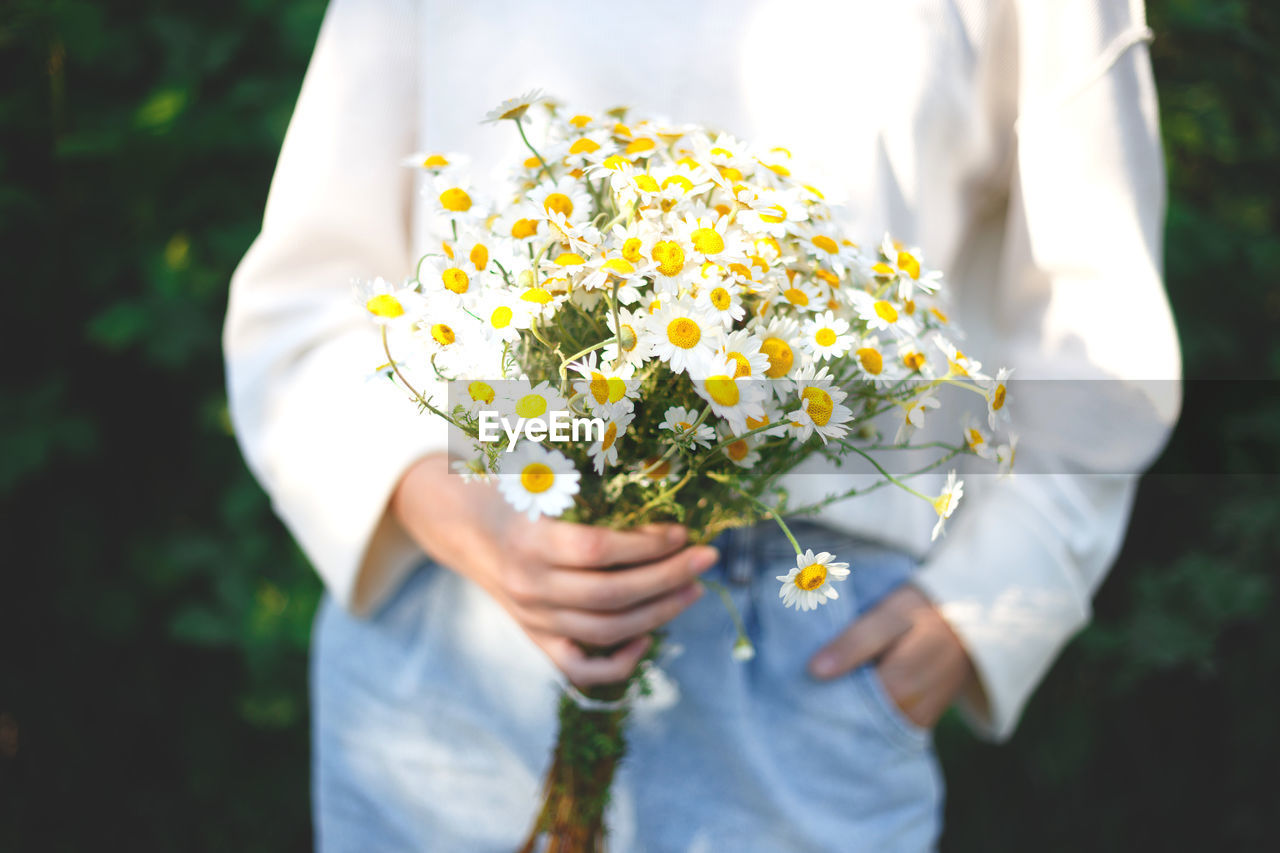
(919, 659)
(563, 583)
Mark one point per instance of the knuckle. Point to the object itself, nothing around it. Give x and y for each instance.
(590, 546)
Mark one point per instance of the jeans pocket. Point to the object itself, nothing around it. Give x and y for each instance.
(896, 725)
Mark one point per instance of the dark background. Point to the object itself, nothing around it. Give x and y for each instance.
(154, 615)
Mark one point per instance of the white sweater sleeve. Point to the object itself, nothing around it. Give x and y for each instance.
(1079, 296)
(327, 442)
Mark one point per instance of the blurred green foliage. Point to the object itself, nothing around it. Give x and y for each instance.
(154, 616)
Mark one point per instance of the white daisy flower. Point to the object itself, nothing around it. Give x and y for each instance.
(504, 314)
(822, 409)
(513, 109)
(779, 342)
(538, 481)
(566, 196)
(680, 421)
(681, 334)
(977, 440)
(632, 347)
(743, 347)
(604, 451)
(526, 400)
(801, 293)
(389, 304)
(674, 265)
(606, 389)
(434, 162)
(997, 396)
(810, 583)
(947, 501)
(731, 399)
(453, 283)
(903, 265)
(873, 365)
(722, 299)
(656, 469)
(882, 314)
(588, 149)
(826, 336)
(740, 451)
(913, 412)
(1005, 455)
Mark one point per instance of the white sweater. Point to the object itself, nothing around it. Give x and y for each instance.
(1015, 141)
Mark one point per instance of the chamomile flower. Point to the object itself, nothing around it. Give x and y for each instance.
(743, 348)
(997, 396)
(913, 412)
(603, 272)
(822, 408)
(473, 395)
(538, 481)
(723, 299)
(903, 264)
(681, 422)
(682, 334)
(527, 401)
(730, 398)
(588, 149)
(826, 336)
(566, 196)
(711, 239)
(605, 389)
(631, 346)
(604, 451)
(657, 469)
(874, 365)
(672, 256)
(739, 450)
(947, 501)
(774, 212)
(521, 222)
(388, 304)
(513, 109)
(433, 162)
(977, 440)
(456, 196)
(779, 342)
(472, 250)
(881, 314)
(1005, 455)
(959, 364)
(801, 293)
(504, 315)
(810, 583)
(450, 281)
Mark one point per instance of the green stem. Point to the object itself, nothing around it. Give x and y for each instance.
(773, 513)
(546, 170)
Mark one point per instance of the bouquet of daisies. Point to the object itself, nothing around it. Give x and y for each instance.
(656, 322)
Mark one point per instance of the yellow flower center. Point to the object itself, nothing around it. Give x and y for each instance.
(523, 228)
(646, 183)
(756, 423)
(537, 478)
(684, 333)
(780, 357)
(442, 334)
(908, 264)
(570, 259)
(558, 203)
(481, 392)
(872, 360)
(531, 406)
(826, 244)
(776, 213)
(796, 296)
(997, 398)
(479, 256)
(455, 280)
(639, 146)
(670, 257)
(501, 317)
(610, 436)
(707, 241)
(885, 311)
(942, 318)
(825, 337)
(723, 390)
(678, 180)
(881, 268)
(615, 162)
(729, 173)
(580, 121)
(820, 405)
(455, 199)
(913, 360)
(385, 305)
(621, 265)
(976, 439)
(434, 161)
(738, 450)
(631, 250)
(828, 276)
(536, 294)
(811, 577)
(721, 299)
(743, 366)
(584, 146)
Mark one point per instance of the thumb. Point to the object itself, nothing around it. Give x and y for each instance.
(867, 638)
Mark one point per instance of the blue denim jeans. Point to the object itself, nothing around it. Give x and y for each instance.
(433, 723)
